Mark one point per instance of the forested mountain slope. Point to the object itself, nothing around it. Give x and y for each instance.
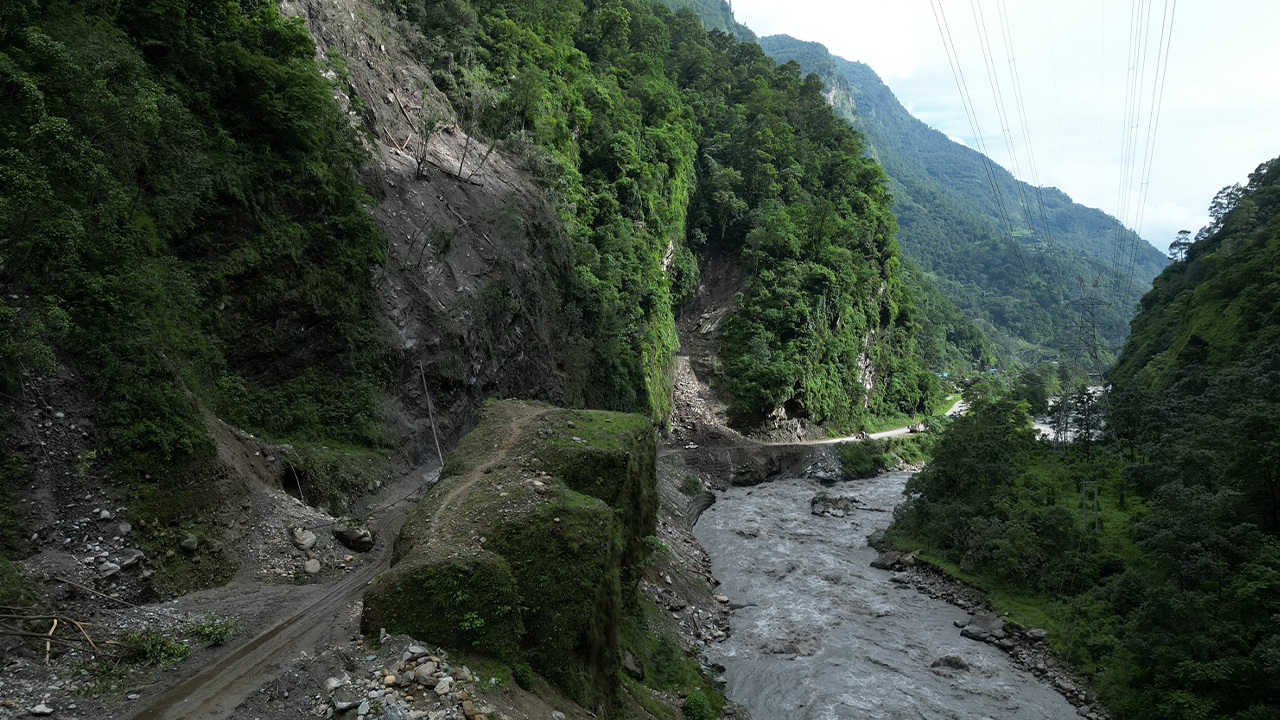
(1006, 252)
(184, 237)
(1149, 543)
(1197, 396)
(662, 142)
(715, 15)
(1218, 303)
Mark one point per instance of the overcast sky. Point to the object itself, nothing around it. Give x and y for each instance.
(1219, 119)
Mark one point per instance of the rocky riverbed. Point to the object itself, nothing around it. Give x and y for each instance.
(818, 633)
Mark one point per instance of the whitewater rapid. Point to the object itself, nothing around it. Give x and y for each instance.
(821, 635)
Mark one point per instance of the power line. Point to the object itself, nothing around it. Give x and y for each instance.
(966, 98)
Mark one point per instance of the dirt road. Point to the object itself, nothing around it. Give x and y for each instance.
(956, 409)
(317, 614)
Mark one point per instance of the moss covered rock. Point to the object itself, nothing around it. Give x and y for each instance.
(524, 548)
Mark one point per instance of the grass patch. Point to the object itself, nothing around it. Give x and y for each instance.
(150, 648)
(213, 631)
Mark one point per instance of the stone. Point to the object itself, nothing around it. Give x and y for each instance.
(124, 528)
(312, 566)
(721, 598)
(445, 686)
(130, 557)
(632, 666)
(1037, 634)
(107, 569)
(876, 539)
(389, 680)
(189, 543)
(346, 697)
(983, 626)
(355, 538)
(303, 539)
(468, 709)
(104, 515)
(954, 662)
(41, 709)
(333, 683)
(887, 560)
(425, 674)
(557, 715)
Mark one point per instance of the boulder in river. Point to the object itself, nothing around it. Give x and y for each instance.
(984, 626)
(887, 560)
(955, 662)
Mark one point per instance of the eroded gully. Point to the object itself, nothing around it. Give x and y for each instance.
(821, 635)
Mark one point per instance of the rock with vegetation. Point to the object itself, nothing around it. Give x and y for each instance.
(525, 547)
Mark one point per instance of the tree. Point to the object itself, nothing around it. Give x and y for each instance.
(1178, 248)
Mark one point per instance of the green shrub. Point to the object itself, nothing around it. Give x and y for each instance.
(213, 631)
(691, 486)
(863, 459)
(148, 647)
(697, 707)
(523, 674)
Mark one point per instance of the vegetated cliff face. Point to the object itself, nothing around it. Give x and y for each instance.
(656, 144)
(528, 544)
(1196, 400)
(1219, 302)
(182, 234)
(183, 219)
(1006, 252)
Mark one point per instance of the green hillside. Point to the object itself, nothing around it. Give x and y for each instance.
(715, 15)
(180, 215)
(1219, 302)
(1167, 594)
(1010, 254)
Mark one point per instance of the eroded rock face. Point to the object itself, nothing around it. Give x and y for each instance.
(525, 545)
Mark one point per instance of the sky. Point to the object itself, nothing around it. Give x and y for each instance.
(1218, 119)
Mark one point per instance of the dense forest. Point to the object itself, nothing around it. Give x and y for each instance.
(1166, 587)
(666, 138)
(183, 233)
(181, 227)
(1010, 254)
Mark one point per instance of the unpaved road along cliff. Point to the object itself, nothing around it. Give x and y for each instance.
(821, 635)
(312, 615)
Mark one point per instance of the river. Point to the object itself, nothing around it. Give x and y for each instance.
(824, 636)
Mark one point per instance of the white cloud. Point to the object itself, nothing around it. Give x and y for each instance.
(1221, 96)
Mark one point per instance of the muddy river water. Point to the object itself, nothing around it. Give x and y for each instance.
(823, 635)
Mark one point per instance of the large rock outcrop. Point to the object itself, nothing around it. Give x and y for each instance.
(525, 547)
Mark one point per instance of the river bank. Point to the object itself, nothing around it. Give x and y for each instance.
(819, 633)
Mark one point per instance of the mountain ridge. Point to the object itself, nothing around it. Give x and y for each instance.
(1060, 251)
